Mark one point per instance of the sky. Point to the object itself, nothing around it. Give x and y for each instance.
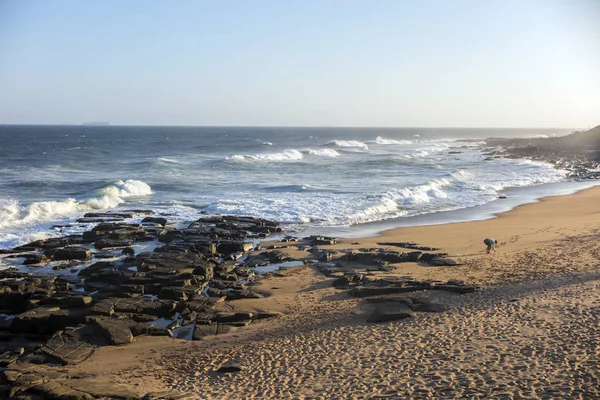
(396, 63)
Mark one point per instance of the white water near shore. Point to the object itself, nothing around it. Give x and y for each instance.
(307, 179)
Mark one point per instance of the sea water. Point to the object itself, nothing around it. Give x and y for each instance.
(315, 179)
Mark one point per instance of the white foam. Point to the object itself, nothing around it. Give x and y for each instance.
(168, 160)
(12, 213)
(422, 193)
(323, 152)
(383, 141)
(434, 148)
(461, 174)
(287, 155)
(349, 144)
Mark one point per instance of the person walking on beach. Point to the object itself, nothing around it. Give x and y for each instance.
(491, 244)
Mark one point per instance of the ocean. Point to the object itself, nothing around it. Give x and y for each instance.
(309, 179)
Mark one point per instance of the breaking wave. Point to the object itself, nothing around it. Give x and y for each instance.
(348, 144)
(287, 155)
(12, 213)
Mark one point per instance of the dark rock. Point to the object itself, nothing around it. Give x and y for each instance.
(72, 345)
(364, 291)
(456, 288)
(158, 308)
(234, 317)
(46, 320)
(168, 395)
(156, 220)
(35, 259)
(112, 243)
(128, 251)
(346, 281)
(200, 331)
(116, 331)
(243, 294)
(231, 246)
(266, 315)
(72, 253)
(108, 215)
(390, 311)
(68, 301)
(422, 305)
(442, 261)
(320, 240)
(404, 300)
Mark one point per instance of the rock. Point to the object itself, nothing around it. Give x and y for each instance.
(72, 253)
(230, 246)
(46, 320)
(229, 367)
(443, 261)
(72, 345)
(320, 240)
(35, 259)
(243, 294)
(404, 300)
(128, 251)
(364, 291)
(106, 243)
(156, 220)
(68, 301)
(346, 281)
(422, 305)
(390, 311)
(455, 288)
(168, 395)
(102, 390)
(160, 308)
(266, 314)
(234, 317)
(200, 331)
(116, 331)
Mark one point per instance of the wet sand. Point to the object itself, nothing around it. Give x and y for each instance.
(532, 331)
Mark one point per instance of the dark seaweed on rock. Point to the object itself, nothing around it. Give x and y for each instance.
(52, 321)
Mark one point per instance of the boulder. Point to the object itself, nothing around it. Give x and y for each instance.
(72, 345)
(46, 320)
(116, 331)
(234, 317)
(236, 294)
(200, 331)
(155, 220)
(390, 311)
(455, 288)
(422, 305)
(233, 246)
(72, 253)
(112, 243)
(366, 291)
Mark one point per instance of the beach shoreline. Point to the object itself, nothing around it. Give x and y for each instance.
(545, 270)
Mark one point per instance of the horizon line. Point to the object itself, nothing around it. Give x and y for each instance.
(108, 125)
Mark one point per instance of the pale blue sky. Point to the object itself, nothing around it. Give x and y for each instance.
(465, 63)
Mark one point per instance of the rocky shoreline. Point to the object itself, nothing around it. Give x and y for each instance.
(65, 297)
(578, 153)
(135, 273)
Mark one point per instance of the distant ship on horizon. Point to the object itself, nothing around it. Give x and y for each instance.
(96, 123)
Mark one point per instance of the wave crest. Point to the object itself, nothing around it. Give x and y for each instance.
(383, 141)
(14, 214)
(348, 144)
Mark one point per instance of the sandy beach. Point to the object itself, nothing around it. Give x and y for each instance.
(531, 331)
